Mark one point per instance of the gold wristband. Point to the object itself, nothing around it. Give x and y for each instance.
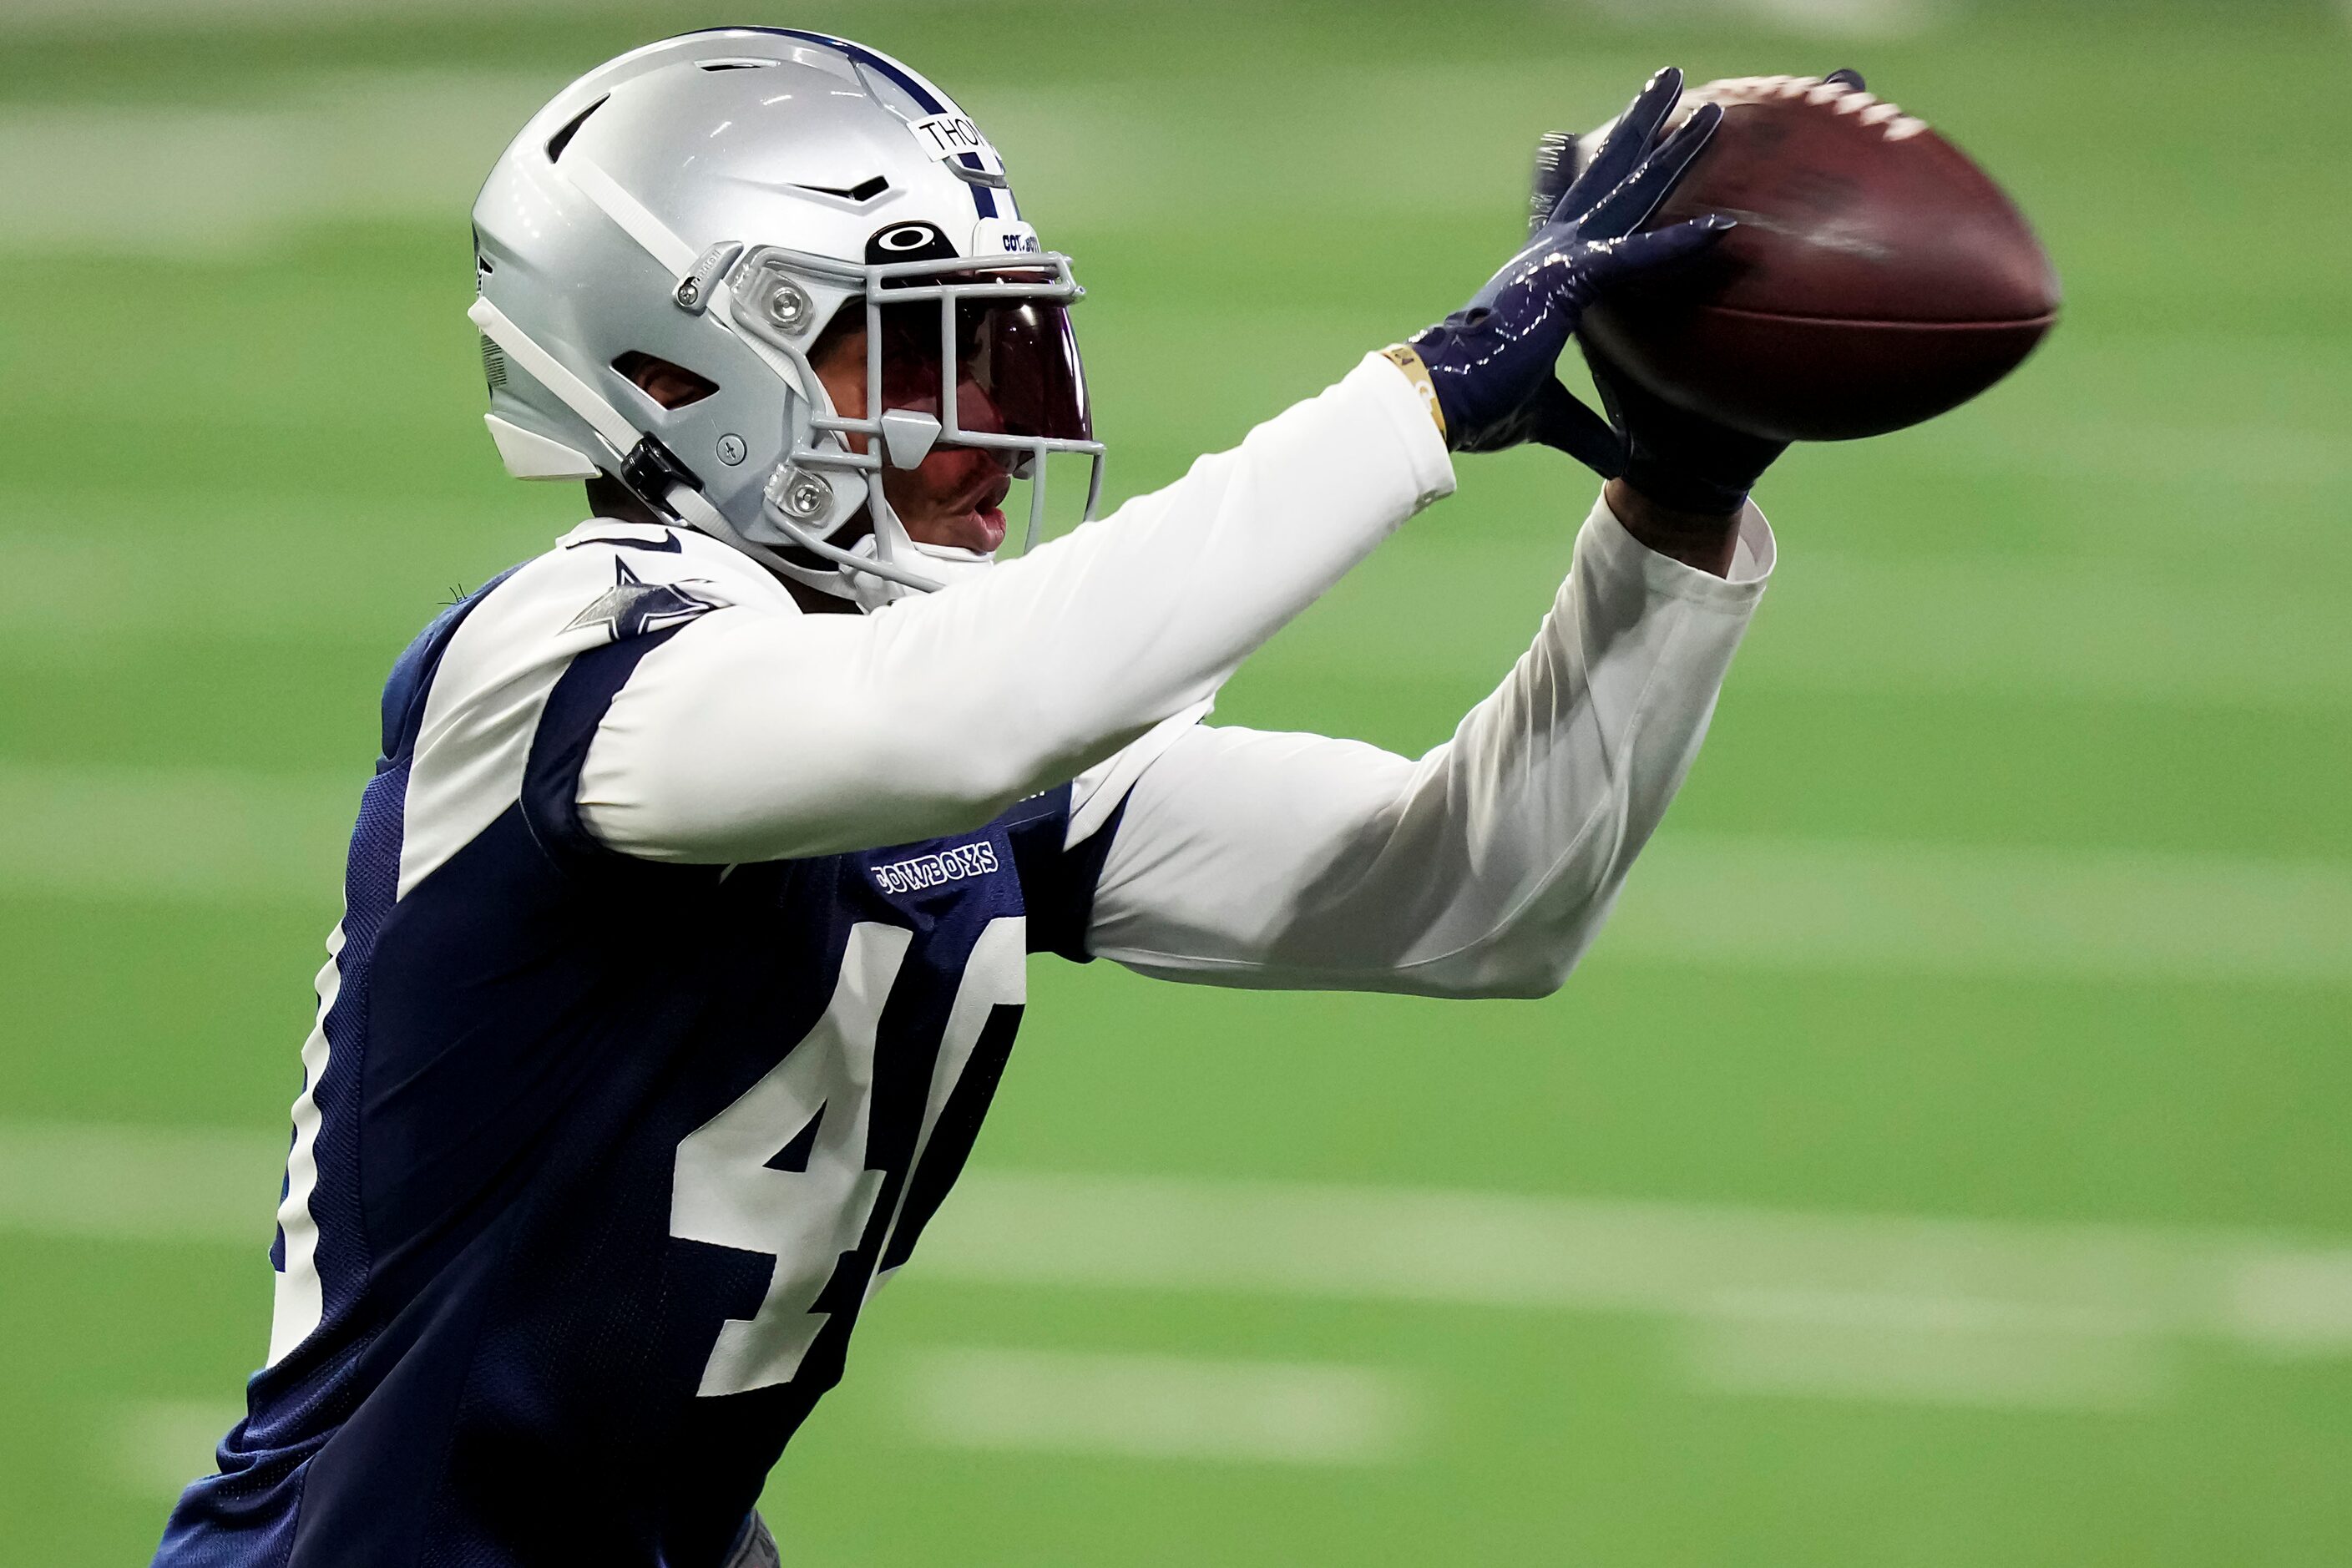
(1404, 358)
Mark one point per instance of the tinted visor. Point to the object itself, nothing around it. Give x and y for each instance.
(1017, 370)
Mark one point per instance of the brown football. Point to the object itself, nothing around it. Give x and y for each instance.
(1877, 277)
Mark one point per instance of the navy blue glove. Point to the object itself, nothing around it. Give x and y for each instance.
(1491, 362)
(1676, 458)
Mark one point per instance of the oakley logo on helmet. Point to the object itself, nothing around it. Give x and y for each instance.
(908, 242)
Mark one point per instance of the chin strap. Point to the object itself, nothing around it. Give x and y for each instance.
(946, 566)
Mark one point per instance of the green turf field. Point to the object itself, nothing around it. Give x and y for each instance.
(1942, 1161)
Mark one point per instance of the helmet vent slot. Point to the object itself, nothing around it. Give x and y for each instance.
(494, 364)
(738, 65)
(865, 190)
(670, 385)
(563, 139)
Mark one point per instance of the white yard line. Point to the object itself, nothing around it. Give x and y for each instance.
(237, 838)
(1759, 1304)
(2266, 1295)
(1148, 1407)
(1160, 1408)
(1495, 1251)
(1924, 1349)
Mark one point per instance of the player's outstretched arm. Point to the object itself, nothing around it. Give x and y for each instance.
(755, 736)
(1483, 869)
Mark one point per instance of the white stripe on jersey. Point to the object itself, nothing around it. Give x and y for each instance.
(300, 1302)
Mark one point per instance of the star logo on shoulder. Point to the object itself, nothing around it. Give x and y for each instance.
(632, 607)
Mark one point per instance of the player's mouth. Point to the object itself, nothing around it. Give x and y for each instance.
(975, 521)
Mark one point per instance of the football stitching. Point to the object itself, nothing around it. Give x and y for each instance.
(1893, 125)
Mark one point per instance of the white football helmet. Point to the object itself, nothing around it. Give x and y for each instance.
(713, 200)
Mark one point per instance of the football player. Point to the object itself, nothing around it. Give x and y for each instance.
(686, 912)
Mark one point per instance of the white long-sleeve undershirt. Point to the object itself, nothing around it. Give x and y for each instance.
(758, 735)
(1483, 869)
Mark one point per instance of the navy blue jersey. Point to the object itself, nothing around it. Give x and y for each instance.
(597, 1159)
